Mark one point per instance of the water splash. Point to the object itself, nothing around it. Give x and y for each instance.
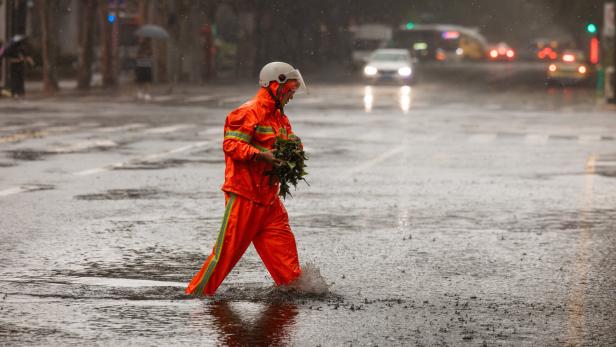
(310, 282)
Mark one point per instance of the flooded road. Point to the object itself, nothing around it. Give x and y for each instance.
(439, 214)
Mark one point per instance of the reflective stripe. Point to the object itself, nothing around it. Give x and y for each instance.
(221, 239)
(238, 135)
(264, 129)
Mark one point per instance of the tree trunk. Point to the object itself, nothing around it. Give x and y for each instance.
(48, 48)
(142, 12)
(84, 75)
(107, 70)
(160, 16)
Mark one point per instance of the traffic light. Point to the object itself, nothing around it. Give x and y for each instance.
(410, 25)
(591, 28)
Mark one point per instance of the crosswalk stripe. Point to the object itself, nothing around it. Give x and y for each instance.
(482, 138)
(589, 138)
(167, 129)
(140, 159)
(536, 139)
(126, 127)
(368, 164)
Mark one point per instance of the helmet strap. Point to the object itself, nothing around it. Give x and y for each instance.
(276, 98)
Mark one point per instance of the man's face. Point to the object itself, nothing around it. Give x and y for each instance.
(289, 90)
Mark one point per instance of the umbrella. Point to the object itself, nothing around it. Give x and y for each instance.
(153, 31)
(13, 44)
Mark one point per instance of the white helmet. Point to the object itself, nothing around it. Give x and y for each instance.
(281, 73)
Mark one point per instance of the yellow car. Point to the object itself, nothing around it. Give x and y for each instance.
(571, 68)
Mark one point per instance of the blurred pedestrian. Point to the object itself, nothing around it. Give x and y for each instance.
(254, 212)
(17, 56)
(143, 69)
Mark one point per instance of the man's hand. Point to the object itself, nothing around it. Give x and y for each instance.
(269, 158)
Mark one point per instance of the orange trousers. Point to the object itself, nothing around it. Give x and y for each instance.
(267, 227)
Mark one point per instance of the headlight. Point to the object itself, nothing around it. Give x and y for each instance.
(582, 69)
(404, 71)
(370, 70)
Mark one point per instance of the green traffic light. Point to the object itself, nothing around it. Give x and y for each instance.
(591, 28)
(410, 25)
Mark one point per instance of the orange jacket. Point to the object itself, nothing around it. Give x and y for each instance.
(251, 128)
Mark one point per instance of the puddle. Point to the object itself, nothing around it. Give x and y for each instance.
(27, 154)
(19, 335)
(165, 164)
(38, 187)
(142, 193)
(605, 171)
(124, 194)
(84, 147)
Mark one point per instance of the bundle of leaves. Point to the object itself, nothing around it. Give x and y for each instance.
(291, 170)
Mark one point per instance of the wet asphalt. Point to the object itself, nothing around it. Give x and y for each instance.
(476, 207)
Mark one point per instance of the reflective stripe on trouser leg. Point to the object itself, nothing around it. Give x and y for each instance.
(206, 272)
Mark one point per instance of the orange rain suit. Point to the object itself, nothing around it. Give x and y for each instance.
(253, 212)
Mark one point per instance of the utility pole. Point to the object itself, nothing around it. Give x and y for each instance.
(608, 34)
(4, 17)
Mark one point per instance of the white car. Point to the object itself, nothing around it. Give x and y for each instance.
(390, 64)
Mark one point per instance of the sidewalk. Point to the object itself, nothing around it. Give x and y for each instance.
(126, 90)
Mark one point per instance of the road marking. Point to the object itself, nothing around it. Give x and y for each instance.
(200, 98)
(141, 159)
(82, 146)
(426, 138)
(370, 163)
(24, 127)
(576, 300)
(164, 98)
(232, 99)
(168, 129)
(22, 136)
(210, 131)
(35, 134)
(536, 139)
(482, 138)
(589, 138)
(24, 188)
(127, 127)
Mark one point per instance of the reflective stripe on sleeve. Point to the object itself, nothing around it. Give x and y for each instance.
(238, 135)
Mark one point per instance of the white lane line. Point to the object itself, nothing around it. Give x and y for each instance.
(536, 139)
(38, 133)
(12, 191)
(82, 146)
(482, 138)
(168, 129)
(24, 188)
(123, 282)
(210, 131)
(127, 127)
(22, 136)
(589, 138)
(145, 158)
(426, 138)
(24, 127)
(370, 163)
(232, 100)
(200, 98)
